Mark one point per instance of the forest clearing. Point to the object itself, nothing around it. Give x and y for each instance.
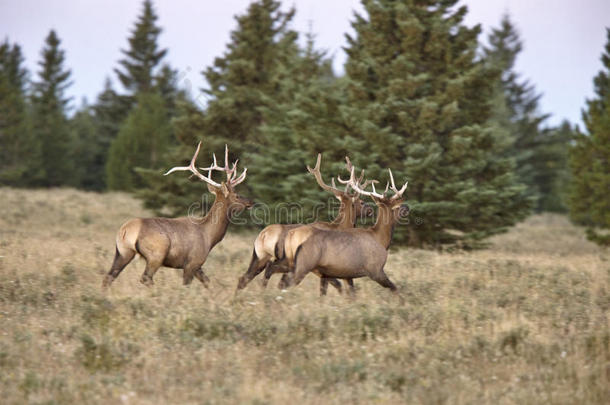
(525, 321)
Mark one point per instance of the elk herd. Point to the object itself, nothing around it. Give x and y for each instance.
(333, 251)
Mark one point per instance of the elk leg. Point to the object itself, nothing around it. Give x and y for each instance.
(350, 283)
(151, 268)
(205, 280)
(324, 281)
(304, 262)
(278, 266)
(273, 268)
(257, 265)
(119, 263)
(384, 281)
(284, 281)
(299, 274)
(189, 272)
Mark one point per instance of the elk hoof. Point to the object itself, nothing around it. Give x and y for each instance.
(147, 281)
(283, 284)
(107, 281)
(206, 281)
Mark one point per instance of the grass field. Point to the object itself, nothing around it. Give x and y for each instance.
(524, 322)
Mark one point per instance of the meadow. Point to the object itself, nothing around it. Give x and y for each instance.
(523, 322)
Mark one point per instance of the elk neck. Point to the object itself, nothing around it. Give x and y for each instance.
(217, 219)
(346, 217)
(384, 226)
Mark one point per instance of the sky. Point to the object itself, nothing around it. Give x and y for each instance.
(563, 39)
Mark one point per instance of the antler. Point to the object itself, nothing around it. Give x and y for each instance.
(230, 171)
(397, 193)
(357, 185)
(360, 188)
(350, 168)
(231, 181)
(316, 172)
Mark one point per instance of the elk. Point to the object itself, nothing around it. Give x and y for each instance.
(348, 253)
(268, 246)
(181, 242)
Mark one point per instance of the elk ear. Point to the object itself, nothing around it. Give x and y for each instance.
(212, 189)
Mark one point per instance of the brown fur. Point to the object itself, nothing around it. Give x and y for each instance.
(180, 243)
(348, 253)
(269, 244)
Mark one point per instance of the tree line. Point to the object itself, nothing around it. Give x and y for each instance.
(422, 93)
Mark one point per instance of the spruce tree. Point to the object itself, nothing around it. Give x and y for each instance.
(246, 78)
(420, 99)
(590, 160)
(50, 124)
(109, 113)
(241, 84)
(305, 121)
(172, 196)
(148, 83)
(16, 146)
(539, 152)
(141, 142)
(89, 150)
(143, 56)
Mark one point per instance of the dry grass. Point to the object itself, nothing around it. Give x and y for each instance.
(523, 322)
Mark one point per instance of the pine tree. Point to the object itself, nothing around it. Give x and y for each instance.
(143, 56)
(590, 160)
(539, 152)
(142, 142)
(89, 150)
(305, 121)
(109, 112)
(246, 78)
(172, 196)
(242, 83)
(50, 125)
(420, 99)
(151, 89)
(16, 146)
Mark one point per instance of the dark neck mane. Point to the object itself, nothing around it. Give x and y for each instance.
(384, 226)
(345, 218)
(216, 221)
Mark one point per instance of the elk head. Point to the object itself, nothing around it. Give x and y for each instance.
(225, 191)
(359, 208)
(390, 204)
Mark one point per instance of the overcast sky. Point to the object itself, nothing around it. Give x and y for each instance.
(563, 39)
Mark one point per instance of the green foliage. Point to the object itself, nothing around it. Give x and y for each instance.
(173, 195)
(144, 135)
(539, 153)
(50, 125)
(590, 160)
(242, 83)
(16, 144)
(103, 354)
(142, 141)
(301, 123)
(246, 78)
(143, 54)
(87, 153)
(419, 100)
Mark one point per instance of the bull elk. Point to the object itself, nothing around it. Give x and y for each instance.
(349, 253)
(181, 242)
(268, 246)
